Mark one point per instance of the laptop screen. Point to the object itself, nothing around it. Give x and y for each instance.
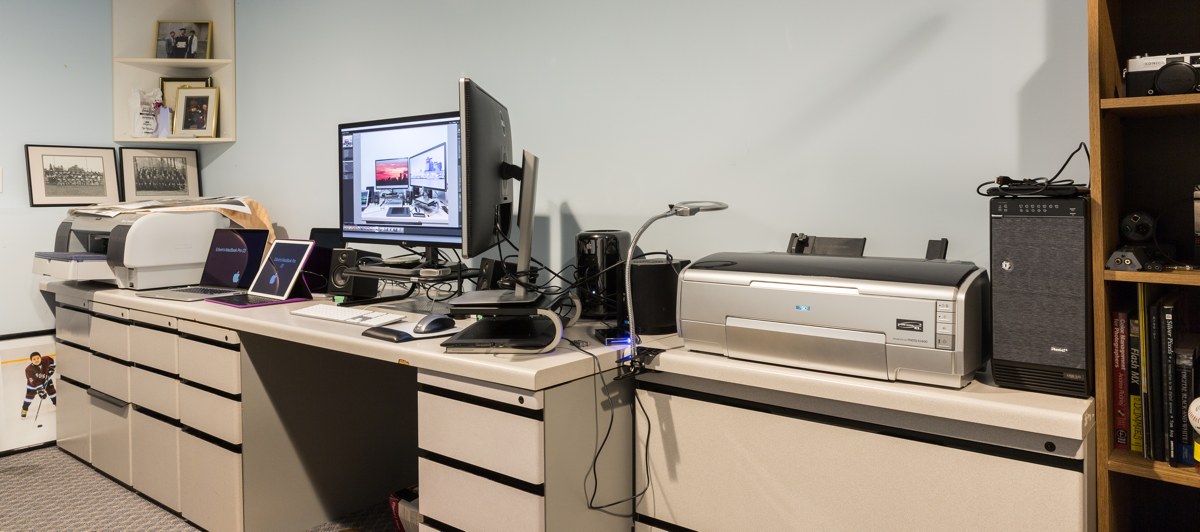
(233, 257)
(281, 268)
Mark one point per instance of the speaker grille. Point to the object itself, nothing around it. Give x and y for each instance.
(1041, 313)
(1047, 380)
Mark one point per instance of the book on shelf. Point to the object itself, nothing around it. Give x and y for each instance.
(1185, 388)
(1134, 386)
(1151, 387)
(1170, 397)
(1120, 377)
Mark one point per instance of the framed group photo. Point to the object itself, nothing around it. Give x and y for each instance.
(151, 174)
(196, 112)
(183, 39)
(170, 88)
(71, 175)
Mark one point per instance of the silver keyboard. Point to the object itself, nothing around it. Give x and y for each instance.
(351, 315)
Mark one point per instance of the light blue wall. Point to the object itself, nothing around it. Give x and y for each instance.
(857, 118)
(55, 88)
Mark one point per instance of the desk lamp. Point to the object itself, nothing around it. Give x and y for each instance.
(685, 208)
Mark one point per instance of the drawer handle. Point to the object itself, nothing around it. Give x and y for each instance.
(106, 398)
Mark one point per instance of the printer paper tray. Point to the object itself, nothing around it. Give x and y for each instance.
(70, 270)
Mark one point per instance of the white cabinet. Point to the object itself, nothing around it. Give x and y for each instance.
(110, 436)
(74, 422)
(155, 445)
(210, 482)
(135, 66)
(494, 457)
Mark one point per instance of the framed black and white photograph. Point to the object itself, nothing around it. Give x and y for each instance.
(183, 39)
(170, 88)
(196, 112)
(71, 175)
(151, 174)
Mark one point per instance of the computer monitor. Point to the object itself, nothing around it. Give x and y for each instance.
(376, 173)
(486, 168)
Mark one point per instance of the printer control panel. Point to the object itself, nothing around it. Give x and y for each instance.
(944, 338)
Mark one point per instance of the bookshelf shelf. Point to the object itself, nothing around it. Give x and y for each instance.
(1176, 104)
(1178, 278)
(1131, 464)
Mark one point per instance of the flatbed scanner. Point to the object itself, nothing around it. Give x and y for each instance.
(884, 318)
(136, 250)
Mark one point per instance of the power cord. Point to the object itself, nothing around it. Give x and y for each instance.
(1038, 186)
(592, 473)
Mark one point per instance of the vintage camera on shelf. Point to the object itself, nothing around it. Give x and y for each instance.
(1152, 75)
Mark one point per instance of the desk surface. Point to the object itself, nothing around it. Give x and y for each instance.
(527, 372)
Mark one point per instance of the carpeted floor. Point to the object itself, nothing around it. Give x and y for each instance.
(47, 489)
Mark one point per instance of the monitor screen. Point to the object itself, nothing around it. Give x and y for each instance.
(400, 181)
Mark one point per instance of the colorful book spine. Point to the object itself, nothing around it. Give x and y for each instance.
(1120, 374)
(1136, 419)
(1169, 395)
(1185, 389)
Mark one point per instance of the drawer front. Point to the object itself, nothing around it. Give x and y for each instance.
(157, 320)
(110, 377)
(73, 363)
(154, 348)
(110, 438)
(155, 446)
(73, 420)
(210, 365)
(159, 393)
(506, 443)
(211, 414)
(469, 502)
(210, 484)
(73, 326)
(110, 337)
(210, 332)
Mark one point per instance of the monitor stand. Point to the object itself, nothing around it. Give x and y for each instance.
(519, 296)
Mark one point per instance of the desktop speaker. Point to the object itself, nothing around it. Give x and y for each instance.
(342, 284)
(655, 284)
(600, 274)
(1041, 295)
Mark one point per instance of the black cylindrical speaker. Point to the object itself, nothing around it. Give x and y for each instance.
(655, 284)
(342, 284)
(601, 294)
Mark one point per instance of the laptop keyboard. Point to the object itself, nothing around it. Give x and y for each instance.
(203, 290)
(351, 315)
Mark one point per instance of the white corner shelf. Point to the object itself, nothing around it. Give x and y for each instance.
(135, 66)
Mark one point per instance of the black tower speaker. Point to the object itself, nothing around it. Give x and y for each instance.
(1041, 295)
(655, 285)
(346, 285)
(602, 294)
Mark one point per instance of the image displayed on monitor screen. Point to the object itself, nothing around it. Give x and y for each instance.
(403, 183)
(429, 168)
(391, 173)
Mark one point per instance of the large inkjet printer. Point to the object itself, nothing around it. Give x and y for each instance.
(884, 318)
(137, 250)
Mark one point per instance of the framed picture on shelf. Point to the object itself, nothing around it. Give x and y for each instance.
(160, 174)
(71, 175)
(170, 87)
(183, 39)
(196, 112)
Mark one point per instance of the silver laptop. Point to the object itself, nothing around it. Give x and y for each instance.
(233, 257)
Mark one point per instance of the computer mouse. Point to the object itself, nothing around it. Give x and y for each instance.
(433, 323)
(387, 333)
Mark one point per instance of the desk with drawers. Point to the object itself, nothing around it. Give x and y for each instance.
(254, 419)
